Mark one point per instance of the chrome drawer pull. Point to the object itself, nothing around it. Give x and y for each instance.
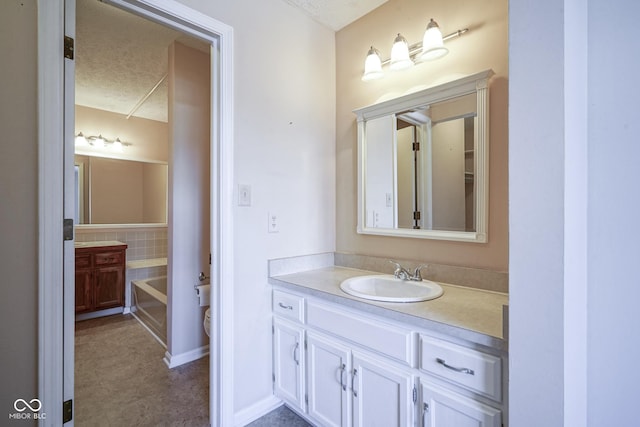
(286, 307)
(453, 368)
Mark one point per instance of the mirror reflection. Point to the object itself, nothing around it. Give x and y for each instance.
(423, 163)
(115, 191)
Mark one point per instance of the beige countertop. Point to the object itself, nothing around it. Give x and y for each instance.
(99, 244)
(470, 314)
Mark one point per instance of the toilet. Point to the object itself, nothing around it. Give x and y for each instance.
(207, 320)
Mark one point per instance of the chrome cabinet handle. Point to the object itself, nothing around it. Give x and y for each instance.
(453, 368)
(353, 383)
(342, 382)
(295, 354)
(286, 307)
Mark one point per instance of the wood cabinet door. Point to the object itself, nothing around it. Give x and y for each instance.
(288, 362)
(109, 284)
(382, 394)
(84, 295)
(445, 408)
(328, 370)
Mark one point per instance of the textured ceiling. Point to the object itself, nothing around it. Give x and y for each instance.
(120, 57)
(336, 14)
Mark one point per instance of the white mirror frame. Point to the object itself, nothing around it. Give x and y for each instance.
(476, 83)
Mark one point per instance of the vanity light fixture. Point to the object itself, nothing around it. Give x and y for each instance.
(403, 54)
(100, 142)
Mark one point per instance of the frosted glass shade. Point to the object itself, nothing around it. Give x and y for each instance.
(432, 45)
(117, 146)
(81, 141)
(400, 59)
(372, 66)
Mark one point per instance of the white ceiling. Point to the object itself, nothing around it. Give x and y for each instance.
(120, 57)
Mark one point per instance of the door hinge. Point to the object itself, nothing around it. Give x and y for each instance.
(416, 215)
(67, 229)
(209, 259)
(273, 377)
(415, 395)
(416, 146)
(306, 399)
(305, 343)
(425, 408)
(67, 411)
(273, 329)
(68, 47)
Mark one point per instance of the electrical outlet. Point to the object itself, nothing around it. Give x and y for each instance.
(273, 223)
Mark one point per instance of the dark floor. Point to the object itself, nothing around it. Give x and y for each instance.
(121, 380)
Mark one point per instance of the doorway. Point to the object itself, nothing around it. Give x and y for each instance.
(56, 379)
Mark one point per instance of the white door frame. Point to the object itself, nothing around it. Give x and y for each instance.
(50, 198)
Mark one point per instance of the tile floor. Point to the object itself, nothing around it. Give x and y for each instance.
(121, 380)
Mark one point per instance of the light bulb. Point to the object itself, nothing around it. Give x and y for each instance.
(400, 59)
(81, 141)
(372, 66)
(432, 45)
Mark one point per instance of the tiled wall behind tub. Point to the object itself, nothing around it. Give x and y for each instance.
(143, 242)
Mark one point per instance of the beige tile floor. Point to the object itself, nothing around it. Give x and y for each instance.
(121, 380)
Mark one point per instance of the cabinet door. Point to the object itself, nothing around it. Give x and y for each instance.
(83, 291)
(288, 362)
(327, 379)
(444, 408)
(109, 284)
(382, 394)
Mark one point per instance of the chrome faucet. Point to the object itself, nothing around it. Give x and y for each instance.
(400, 272)
(403, 274)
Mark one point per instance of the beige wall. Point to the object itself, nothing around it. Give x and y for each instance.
(189, 194)
(18, 205)
(484, 46)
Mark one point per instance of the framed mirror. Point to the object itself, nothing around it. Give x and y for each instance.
(423, 163)
(117, 191)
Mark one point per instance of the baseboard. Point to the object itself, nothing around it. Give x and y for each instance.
(99, 313)
(255, 411)
(180, 359)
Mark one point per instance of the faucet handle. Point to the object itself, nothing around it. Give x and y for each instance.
(417, 276)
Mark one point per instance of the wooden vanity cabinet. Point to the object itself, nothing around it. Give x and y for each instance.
(99, 276)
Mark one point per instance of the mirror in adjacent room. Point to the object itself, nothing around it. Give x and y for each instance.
(116, 191)
(423, 163)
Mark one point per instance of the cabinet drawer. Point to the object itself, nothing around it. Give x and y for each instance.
(109, 258)
(83, 261)
(288, 305)
(387, 339)
(472, 369)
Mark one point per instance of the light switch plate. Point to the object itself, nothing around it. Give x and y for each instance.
(244, 195)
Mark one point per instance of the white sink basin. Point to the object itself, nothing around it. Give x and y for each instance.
(387, 288)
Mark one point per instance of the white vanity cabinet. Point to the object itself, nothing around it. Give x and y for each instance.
(289, 362)
(328, 380)
(338, 366)
(445, 408)
(349, 387)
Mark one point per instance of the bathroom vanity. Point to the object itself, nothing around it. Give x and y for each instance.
(340, 360)
(99, 275)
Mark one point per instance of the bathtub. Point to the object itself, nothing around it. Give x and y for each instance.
(150, 306)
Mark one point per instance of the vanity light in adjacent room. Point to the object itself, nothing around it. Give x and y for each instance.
(372, 65)
(400, 59)
(81, 141)
(99, 142)
(432, 44)
(117, 146)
